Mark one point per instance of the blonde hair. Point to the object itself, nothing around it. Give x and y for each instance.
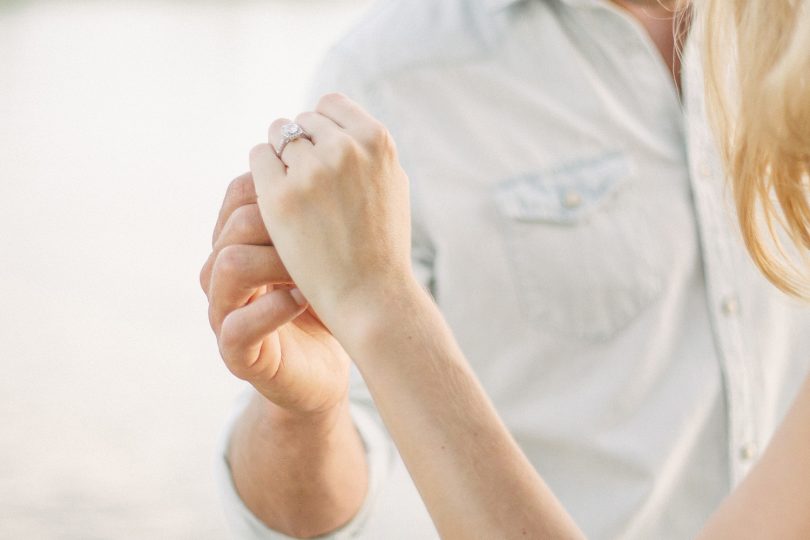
(757, 64)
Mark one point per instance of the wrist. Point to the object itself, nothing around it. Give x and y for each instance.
(382, 318)
(301, 474)
(269, 420)
(377, 293)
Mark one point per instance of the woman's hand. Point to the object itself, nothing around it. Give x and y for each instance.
(337, 208)
(339, 216)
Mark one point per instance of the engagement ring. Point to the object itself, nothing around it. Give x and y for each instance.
(290, 132)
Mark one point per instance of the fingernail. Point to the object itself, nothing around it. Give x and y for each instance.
(298, 297)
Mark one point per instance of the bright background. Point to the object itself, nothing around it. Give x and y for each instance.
(121, 124)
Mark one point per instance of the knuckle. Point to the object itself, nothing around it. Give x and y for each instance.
(278, 122)
(343, 151)
(240, 187)
(229, 261)
(239, 225)
(331, 98)
(231, 344)
(229, 338)
(259, 152)
(243, 223)
(213, 319)
(238, 369)
(274, 130)
(302, 118)
(205, 274)
(377, 131)
(376, 136)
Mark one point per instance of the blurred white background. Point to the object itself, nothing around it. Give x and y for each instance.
(121, 124)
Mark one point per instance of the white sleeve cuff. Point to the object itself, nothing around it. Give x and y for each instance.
(244, 525)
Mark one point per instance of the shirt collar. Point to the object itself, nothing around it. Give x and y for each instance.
(497, 5)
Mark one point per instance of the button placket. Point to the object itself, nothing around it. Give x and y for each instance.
(730, 306)
(739, 378)
(721, 283)
(704, 170)
(721, 270)
(748, 451)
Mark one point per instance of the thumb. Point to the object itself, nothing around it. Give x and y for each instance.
(248, 342)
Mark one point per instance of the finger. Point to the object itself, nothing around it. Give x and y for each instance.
(243, 341)
(238, 271)
(268, 171)
(294, 150)
(245, 226)
(318, 126)
(241, 191)
(205, 272)
(343, 111)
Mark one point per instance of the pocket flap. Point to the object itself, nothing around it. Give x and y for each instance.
(563, 194)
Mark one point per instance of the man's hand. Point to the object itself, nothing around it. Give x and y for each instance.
(297, 461)
(266, 334)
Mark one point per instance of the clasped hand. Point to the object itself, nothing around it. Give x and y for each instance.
(324, 229)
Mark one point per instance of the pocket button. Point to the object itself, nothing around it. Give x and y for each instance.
(572, 199)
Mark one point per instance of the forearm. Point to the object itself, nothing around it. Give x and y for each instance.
(473, 477)
(302, 476)
(774, 500)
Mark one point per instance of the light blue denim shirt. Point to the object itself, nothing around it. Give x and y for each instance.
(571, 218)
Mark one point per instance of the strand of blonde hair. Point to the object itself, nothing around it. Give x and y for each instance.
(757, 63)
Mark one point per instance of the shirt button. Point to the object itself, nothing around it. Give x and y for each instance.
(748, 451)
(572, 199)
(730, 306)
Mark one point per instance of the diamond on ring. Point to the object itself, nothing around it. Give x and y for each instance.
(289, 133)
(291, 130)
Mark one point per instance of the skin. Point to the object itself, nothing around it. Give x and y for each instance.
(659, 20)
(296, 435)
(440, 418)
(774, 499)
(296, 458)
(447, 431)
(357, 261)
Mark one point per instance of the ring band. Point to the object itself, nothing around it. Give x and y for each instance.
(289, 133)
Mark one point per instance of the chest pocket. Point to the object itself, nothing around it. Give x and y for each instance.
(583, 259)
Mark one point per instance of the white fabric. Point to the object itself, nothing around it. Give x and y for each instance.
(572, 221)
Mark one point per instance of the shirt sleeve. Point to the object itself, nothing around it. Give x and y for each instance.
(392, 503)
